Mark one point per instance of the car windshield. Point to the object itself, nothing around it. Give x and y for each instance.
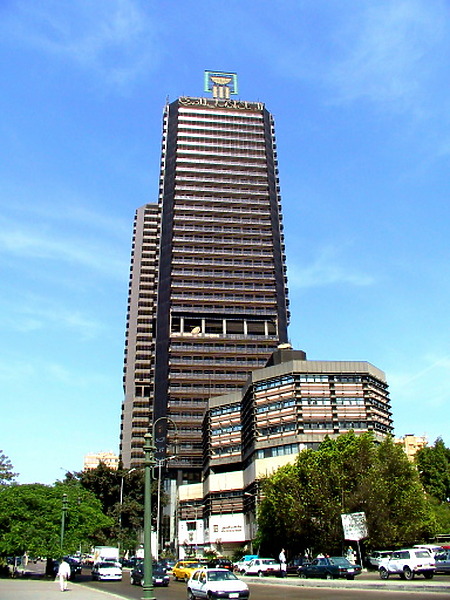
(269, 561)
(107, 565)
(220, 575)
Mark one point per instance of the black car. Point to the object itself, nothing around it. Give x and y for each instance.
(220, 563)
(330, 568)
(74, 564)
(294, 564)
(160, 577)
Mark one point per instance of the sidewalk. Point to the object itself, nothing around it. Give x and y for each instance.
(43, 589)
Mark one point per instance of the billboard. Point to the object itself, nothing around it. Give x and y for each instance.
(355, 526)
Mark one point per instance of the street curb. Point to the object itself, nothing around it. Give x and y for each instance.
(391, 585)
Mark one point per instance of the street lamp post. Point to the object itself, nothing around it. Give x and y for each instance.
(63, 520)
(149, 461)
(160, 464)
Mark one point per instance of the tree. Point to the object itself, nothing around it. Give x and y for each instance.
(7, 475)
(121, 493)
(433, 464)
(31, 518)
(302, 503)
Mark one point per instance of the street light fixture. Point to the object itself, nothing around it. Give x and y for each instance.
(63, 519)
(149, 462)
(160, 464)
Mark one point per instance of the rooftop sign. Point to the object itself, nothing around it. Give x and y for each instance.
(221, 84)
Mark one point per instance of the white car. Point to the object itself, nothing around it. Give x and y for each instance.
(407, 563)
(216, 583)
(106, 570)
(261, 567)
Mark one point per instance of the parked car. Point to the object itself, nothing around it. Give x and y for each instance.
(407, 563)
(168, 563)
(220, 563)
(184, 569)
(293, 565)
(74, 564)
(375, 557)
(107, 570)
(240, 564)
(433, 549)
(160, 577)
(216, 583)
(261, 567)
(442, 562)
(332, 567)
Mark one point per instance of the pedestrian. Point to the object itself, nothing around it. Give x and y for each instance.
(63, 575)
(283, 567)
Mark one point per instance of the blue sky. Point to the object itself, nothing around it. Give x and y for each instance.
(360, 95)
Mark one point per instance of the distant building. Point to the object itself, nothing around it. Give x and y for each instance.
(289, 405)
(91, 461)
(412, 444)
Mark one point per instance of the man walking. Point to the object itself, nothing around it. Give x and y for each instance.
(63, 574)
(283, 567)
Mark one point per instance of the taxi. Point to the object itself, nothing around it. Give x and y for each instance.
(184, 569)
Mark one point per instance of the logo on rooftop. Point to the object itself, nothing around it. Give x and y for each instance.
(221, 84)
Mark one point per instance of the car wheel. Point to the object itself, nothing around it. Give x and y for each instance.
(190, 595)
(260, 574)
(329, 576)
(350, 577)
(384, 573)
(186, 578)
(408, 573)
(428, 575)
(132, 581)
(302, 575)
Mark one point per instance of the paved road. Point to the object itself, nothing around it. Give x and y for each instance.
(368, 585)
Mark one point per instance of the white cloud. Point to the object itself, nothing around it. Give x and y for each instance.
(43, 243)
(325, 271)
(390, 51)
(36, 314)
(114, 38)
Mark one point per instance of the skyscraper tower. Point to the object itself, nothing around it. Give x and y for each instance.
(207, 297)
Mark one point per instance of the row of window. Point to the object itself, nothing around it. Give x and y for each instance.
(278, 405)
(229, 429)
(238, 285)
(237, 250)
(227, 450)
(273, 429)
(272, 383)
(277, 451)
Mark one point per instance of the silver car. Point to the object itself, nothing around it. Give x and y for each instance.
(442, 560)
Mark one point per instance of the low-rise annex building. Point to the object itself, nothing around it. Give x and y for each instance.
(289, 405)
(411, 444)
(91, 461)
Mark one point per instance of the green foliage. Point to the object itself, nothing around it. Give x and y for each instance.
(31, 515)
(7, 475)
(121, 493)
(433, 464)
(302, 503)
